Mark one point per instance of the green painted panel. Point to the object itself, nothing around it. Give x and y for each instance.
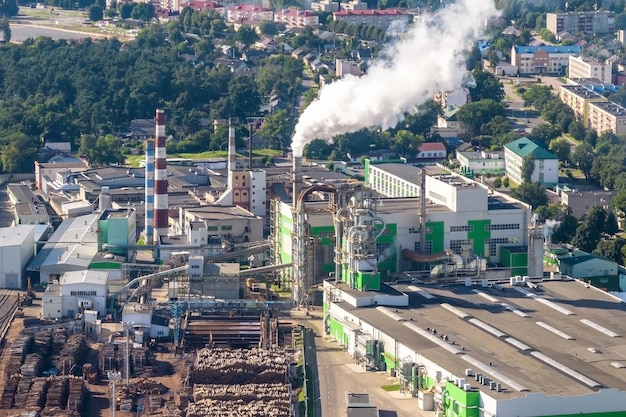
(435, 234)
(367, 281)
(105, 265)
(367, 172)
(608, 414)
(479, 235)
(460, 403)
(517, 261)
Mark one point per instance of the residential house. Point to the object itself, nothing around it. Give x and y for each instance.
(482, 162)
(141, 129)
(432, 150)
(326, 6)
(580, 202)
(298, 53)
(253, 55)
(546, 164)
(344, 67)
(202, 5)
(234, 65)
(448, 124)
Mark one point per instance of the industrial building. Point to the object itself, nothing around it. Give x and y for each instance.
(27, 207)
(75, 292)
(482, 162)
(465, 227)
(17, 247)
(543, 349)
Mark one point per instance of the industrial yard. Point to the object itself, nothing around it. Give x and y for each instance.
(60, 370)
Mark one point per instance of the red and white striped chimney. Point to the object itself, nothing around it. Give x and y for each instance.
(160, 179)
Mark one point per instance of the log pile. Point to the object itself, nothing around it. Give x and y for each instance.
(57, 394)
(240, 383)
(23, 389)
(42, 342)
(37, 394)
(107, 358)
(154, 403)
(8, 392)
(32, 365)
(59, 337)
(239, 366)
(150, 387)
(76, 395)
(73, 353)
(21, 346)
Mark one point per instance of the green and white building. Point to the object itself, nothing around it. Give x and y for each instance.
(461, 216)
(546, 163)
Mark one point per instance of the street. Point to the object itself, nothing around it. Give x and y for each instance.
(338, 373)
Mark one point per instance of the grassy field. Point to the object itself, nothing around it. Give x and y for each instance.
(392, 387)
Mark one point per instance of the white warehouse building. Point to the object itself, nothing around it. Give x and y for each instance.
(77, 291)
(17, 246)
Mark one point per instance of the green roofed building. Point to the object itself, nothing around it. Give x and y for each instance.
(546, 163)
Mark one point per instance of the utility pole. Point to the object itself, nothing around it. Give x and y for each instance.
(113, 377)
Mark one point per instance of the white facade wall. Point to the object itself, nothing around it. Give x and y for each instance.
(258, 196)
(72, 298)
(480, 165)
(390, 185)
(15, 252)
(580, 67)
(158, 331)
(52, 306)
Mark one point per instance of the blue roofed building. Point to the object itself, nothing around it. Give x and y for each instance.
(542, 59)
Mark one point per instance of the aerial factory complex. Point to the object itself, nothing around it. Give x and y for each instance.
(433, 278)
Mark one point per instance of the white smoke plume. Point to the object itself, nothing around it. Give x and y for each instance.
(429, 55)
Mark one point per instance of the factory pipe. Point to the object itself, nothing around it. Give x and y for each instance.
(232, 153)
(424, 259)
(297, 178)
(160, 179)
(149, 187)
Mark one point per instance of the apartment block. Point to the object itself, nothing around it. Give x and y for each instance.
(372, 17)
(589, 67)
(578, 99)
(606, 116)
(294, 18)
(592, 22)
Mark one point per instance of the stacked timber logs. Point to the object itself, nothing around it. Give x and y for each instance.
(32, 365)
(37, 394)
(42, 342)
(76, 395)
(150, 387)
(57, 394)
(239, 366)
(240, 382)
(72, 353)
(8, 392)
(21, 346)
(23, 389)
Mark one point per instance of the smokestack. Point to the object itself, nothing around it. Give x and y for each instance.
(160, 179)
(149, 187)
(297, 178)
(232, 153)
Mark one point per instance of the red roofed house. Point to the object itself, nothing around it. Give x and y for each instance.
(372, 17)
(248, 13)
(430, 150)
(296, 18)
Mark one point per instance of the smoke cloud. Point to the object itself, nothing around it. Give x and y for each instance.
(429, 56)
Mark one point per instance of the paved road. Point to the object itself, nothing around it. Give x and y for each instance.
(338, 374)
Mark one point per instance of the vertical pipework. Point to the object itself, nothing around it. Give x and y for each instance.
(160, 179)
(149, 187)
(232, 153)
(297, 178)
(422, 214)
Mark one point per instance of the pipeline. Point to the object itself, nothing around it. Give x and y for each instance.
(426, 259)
